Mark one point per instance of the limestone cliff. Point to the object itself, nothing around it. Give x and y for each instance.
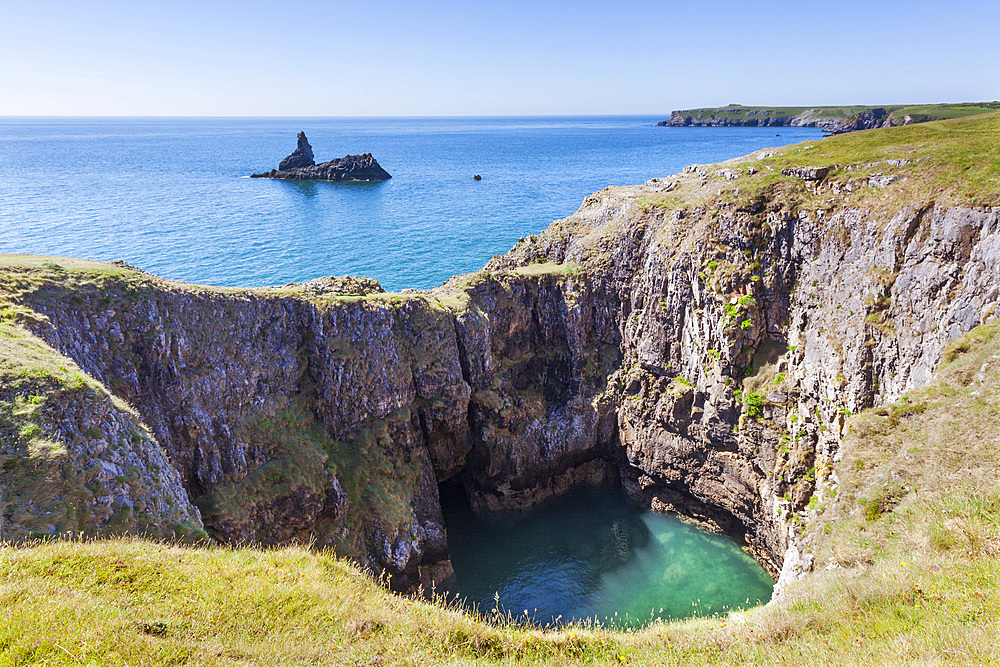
(330, 411)
(699, 337)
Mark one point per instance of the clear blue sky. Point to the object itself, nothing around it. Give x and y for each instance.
(477, 57)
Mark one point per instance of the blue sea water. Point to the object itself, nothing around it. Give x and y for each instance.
(171, 195)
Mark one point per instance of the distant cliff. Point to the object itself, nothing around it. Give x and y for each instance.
(700, 338)
(832, 119)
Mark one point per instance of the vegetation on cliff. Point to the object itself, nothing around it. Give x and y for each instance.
(57, 423)
(324, 411)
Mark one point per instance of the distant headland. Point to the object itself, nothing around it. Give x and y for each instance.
(831, 119)
(300, 166)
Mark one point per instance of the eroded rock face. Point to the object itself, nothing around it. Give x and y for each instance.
(749, 335)
(315, 413)
(302, 156)
(81, 458)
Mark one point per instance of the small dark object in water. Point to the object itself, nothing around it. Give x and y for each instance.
(477, 177)
(777, 135)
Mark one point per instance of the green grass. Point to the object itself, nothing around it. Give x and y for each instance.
(953, 162)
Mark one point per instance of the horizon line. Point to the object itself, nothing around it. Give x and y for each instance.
(501, 115)
(266, 117)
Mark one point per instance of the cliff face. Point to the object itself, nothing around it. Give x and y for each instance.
(866, 120)
(747, 346)
(73, 456)
(700, 338)
(306, 413)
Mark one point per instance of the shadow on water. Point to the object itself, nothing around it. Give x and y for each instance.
(594, 554)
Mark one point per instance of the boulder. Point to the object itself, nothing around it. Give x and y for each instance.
(807, 173)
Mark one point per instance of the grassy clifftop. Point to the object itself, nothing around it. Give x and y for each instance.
(909, 573)
(942, 163)
(950, 163)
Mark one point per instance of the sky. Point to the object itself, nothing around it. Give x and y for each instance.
(374, 58)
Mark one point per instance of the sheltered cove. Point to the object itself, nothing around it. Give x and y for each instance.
(701, 338)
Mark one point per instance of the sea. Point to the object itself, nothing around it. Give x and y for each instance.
(172, 195)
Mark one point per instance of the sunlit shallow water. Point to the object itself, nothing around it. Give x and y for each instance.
(596, 555)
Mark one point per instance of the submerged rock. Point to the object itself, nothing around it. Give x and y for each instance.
(300, 166)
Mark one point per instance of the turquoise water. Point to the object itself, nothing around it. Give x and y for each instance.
(594, 554)
(170, 195)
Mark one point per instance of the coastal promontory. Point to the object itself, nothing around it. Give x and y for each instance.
(835, 120)
(301, 166)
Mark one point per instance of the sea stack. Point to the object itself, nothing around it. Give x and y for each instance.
(301, 166)
(302, 156)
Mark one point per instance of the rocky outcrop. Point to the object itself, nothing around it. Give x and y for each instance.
(698, 344)
(299, 166)
(807, 173)
(73, 456)
(326, 412)
(746, 345)
(302, 156)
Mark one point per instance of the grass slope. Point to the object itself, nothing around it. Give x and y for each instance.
(949, 162)
(909, 573)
